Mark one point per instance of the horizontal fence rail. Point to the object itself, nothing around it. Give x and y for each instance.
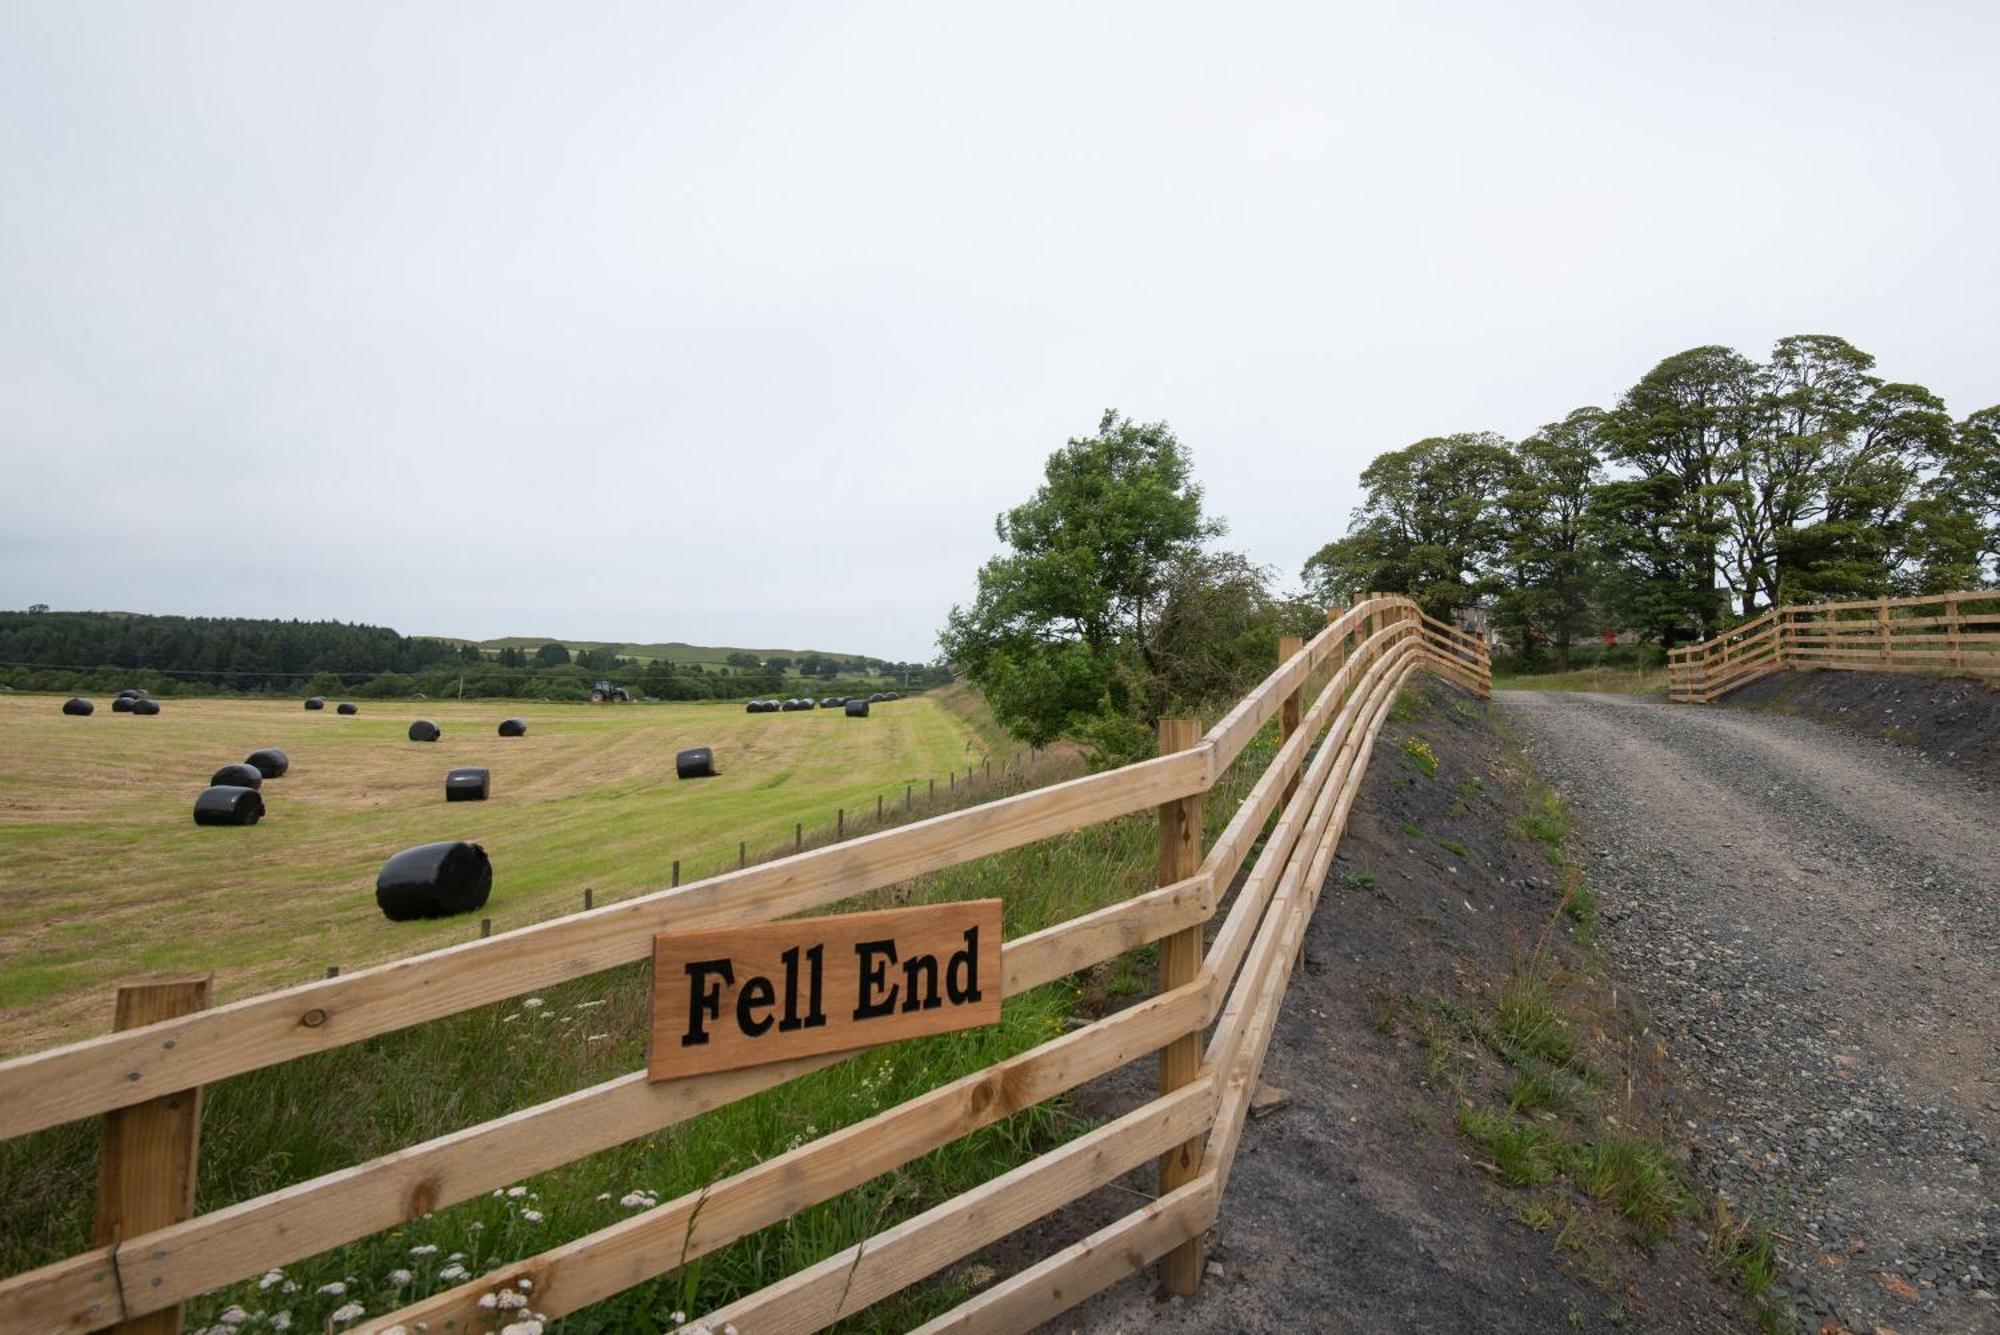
(1941, 634)
(1210, 1023)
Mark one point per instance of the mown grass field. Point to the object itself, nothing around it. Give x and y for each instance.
(283, 1124)
(104, 875)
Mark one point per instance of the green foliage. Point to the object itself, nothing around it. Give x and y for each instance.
(1421, 755)
(1107, 611)
(1429, 527)
(1716, 487)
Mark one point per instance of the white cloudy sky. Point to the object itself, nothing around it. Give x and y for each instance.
(739, 323)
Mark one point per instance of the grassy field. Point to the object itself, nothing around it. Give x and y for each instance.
(280, 1125)
(104, 875)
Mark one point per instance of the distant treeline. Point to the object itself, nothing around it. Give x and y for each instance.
(1716, 487)
(103, 652)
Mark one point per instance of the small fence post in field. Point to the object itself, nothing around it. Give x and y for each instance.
(840, 823)
(1290, 712)
(1882, 622)
(909, 792)
(933, 797)
(1180, 964)
(677, 872)
(588, 897)
(951, 782)
(1957, 658)
(145, 1179)
(485, 928)
(798, 835)
(878, 808)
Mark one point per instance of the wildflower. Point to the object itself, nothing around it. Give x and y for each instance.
(637, 1200)
(529, 1327)
(586, 1005)
(532, 1216)
(511, 1299)
(271, 1277)
(454, 1272)
(281, 1321)
(398, 1278)
(427, 1249)
(509, 1019)
(525, 1285)
(348, 1312)
(333, 1290)
(516, 1191)
(233, 1316)
(456, 1256)
(603, 1195)
(533, 1004)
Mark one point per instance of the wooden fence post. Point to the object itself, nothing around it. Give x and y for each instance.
(146, 1177)
(1882, 621)
(1957, 659)
(1291, 710)
(1180, 964)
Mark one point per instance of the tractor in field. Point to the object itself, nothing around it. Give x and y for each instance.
(604, 692)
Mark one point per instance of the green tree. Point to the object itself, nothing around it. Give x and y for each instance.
(551, 655)
(740, 659)
(1431, 526)
(1550, 555)
(1083, 584)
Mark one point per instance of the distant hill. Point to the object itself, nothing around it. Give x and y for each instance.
(673, 651)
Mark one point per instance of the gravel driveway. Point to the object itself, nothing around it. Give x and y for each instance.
(1811, 920)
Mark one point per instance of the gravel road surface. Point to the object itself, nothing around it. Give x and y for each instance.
(1811, 921)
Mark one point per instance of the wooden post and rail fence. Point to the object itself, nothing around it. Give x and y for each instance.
(1939, 634)
(1224, 963)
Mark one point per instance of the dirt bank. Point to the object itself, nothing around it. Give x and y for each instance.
(1952, 719)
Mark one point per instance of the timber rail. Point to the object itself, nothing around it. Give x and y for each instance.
(1211, 1022)
(1940, 634)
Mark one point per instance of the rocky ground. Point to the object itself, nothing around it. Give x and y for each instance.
(1811, 920)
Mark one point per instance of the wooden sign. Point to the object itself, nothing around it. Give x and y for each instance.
(727, 997)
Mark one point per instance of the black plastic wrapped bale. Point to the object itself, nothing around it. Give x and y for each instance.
(891, 695)
(347, 707)
(697, 762)
(470, 784)
(792, 706)
(513, 727)
(423, 730)
(270, 762)
(225, 804)
(131, 691)
(877, 698)
(315, 702)
(79, 706)
(833, 702)
(142, 705)
(122, 705)
(434, 881)
(808, 703)
(237, 776)
(857, 709)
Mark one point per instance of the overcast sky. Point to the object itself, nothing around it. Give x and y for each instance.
(738, 324)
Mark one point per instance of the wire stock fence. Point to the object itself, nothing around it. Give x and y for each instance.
(1209, 1024)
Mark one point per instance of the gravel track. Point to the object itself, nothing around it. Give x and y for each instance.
(1811, 921)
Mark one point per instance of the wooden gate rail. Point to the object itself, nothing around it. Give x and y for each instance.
(1872, 635)
(1356, 665)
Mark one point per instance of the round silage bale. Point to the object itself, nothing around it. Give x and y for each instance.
(270, 762)
(227, 805)
(78, 706)
(434, 881)
(697, 762)
(468, 783)
(423, 730)
(240, 775)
